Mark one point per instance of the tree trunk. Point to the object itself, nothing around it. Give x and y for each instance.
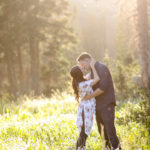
(144, 41)
(21, 72)
(11, 73)
(35, 65)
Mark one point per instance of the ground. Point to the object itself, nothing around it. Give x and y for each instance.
(50, 124)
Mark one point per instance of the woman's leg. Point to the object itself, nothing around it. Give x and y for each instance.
(81, 142)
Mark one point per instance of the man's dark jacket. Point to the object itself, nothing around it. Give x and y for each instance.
(105, 84)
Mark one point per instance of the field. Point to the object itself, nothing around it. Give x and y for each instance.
(50, 124)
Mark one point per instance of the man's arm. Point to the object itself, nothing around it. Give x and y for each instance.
(96, 93)
(103, 83)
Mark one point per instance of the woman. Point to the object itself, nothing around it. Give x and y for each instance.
(86, 108)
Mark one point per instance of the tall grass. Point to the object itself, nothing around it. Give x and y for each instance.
(50, 124)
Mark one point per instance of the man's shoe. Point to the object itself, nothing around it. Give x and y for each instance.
(119, 148)
(114, 148)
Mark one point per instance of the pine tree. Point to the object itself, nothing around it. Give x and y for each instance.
(31, 31)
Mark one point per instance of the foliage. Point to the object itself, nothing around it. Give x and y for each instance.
(50, 123)
(35, 36)
(137, 110)
(122, 75)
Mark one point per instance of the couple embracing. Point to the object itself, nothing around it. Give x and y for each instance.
(96, 96)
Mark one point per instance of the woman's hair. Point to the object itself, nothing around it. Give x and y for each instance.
(77, 77)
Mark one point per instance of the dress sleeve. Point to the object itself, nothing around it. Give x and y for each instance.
(82, 91)
(85, 88)
(89, 88)
(88, 76)
(90, 81)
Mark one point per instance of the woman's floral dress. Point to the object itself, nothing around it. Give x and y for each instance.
(87, 105)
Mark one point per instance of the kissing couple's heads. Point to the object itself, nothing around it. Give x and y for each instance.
(77, 72)
(83, 65)
(83, 61)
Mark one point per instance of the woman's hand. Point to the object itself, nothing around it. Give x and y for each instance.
(92, 63)
(88, 76)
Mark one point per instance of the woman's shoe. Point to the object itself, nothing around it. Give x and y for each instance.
(119, 148)
(82, 148)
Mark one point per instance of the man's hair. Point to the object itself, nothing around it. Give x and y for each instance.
(83, 56)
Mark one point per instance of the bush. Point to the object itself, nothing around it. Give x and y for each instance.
(136, 110)
(122, 75)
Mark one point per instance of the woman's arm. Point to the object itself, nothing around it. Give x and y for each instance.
(96, 76)
(88, 76)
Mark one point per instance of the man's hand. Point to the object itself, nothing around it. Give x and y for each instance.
(87, 97)
(96, 93)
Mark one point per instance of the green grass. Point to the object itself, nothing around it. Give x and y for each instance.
(50, 124)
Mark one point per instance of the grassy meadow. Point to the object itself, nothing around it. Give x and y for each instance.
(39, 43)
(50, 124)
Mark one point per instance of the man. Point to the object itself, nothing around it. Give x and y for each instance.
(105, 100)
